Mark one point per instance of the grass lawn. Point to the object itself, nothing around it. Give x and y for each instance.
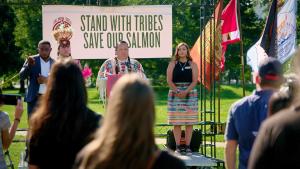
(229, 94)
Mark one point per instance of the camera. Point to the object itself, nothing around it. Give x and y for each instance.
(9, 99)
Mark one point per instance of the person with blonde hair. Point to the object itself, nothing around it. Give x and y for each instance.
(182, 75)
(284, 97)
(125, 139)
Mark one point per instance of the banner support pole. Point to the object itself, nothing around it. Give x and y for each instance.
(241, 47)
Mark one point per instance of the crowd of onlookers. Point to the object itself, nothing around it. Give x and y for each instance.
(265, 126)
(65, 133)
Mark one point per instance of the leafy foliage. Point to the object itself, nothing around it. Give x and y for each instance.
(27, 31)
(10, 61)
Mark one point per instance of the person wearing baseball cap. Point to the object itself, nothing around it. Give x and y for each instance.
(270, 73)
(277, 144)
(246, 115)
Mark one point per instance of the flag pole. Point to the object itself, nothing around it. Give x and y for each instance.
(241, 46)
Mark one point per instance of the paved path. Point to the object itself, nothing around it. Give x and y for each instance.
(157, 140)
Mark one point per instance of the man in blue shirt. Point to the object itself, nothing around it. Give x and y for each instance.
(247, 114)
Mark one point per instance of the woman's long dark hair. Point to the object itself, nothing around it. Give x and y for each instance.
(63, 107)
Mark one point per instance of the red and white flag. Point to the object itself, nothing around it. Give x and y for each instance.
(230, 28)
(226, 32)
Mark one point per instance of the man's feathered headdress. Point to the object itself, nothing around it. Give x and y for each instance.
(62, 30)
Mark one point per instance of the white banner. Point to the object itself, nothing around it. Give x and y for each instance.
(286, 31)
(254, 55)
(286, 37)
(96, 30)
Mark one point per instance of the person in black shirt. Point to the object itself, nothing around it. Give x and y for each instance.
(182, 74)
(62, 124)
(125, 139)
(278, 142)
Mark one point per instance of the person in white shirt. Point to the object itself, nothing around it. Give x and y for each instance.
(36, 68)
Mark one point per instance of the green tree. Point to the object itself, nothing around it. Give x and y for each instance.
(10, 61)
(251, 30)
(28, 30)
(186, 27)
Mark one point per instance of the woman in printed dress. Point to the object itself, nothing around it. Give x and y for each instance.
(182, 74)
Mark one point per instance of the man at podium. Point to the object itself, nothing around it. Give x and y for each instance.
(121, 64)
(113, 68)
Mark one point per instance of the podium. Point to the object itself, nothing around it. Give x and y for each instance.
(111, 80)
(105, 85)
